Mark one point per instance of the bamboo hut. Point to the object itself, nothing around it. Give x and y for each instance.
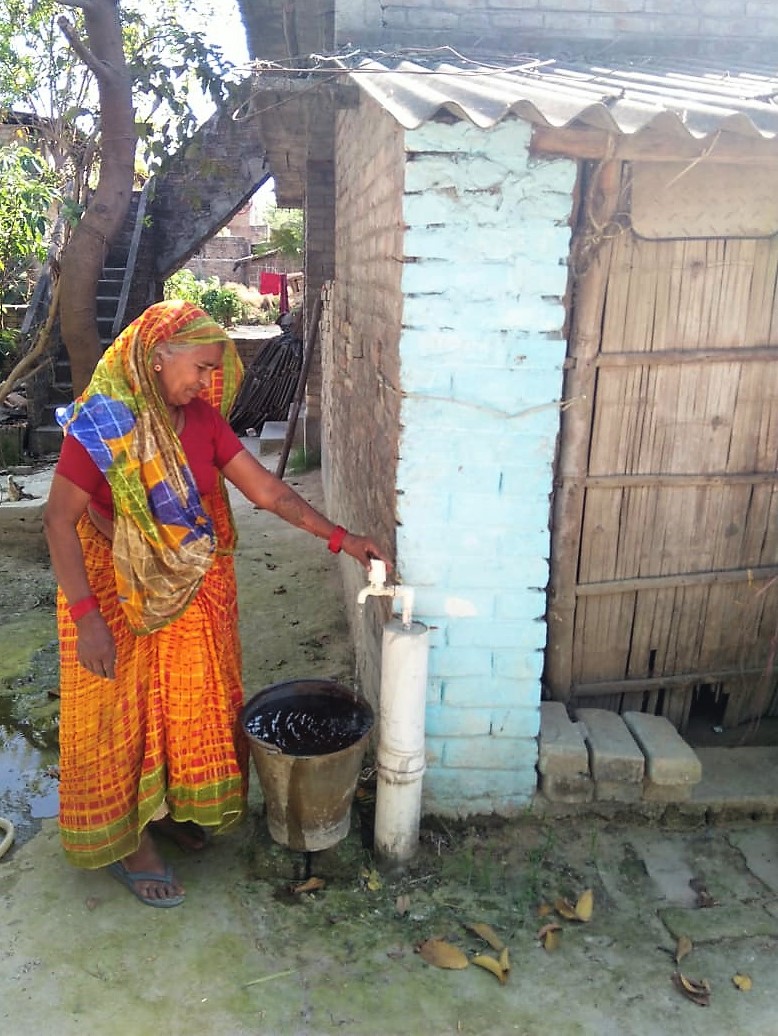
(664, 577)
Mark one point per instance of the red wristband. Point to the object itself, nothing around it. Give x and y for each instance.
(83, 607)
(335, 542)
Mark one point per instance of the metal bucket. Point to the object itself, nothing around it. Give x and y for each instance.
(307, 739)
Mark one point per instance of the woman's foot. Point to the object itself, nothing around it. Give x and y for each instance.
(146, 875)
(186, 834)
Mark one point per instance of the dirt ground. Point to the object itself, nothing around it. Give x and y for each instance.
(360, 952)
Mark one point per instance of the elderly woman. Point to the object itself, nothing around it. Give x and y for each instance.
(141, 539)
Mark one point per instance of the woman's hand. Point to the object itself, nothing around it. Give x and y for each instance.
(96, 647)
(364, 550)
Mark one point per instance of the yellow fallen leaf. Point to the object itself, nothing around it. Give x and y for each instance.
(442, 954)
(311, 885)
(544, 909)
(549, 936)
(743, 982)
(565, 909)
(487, 933)
(483, 960)
(504, 959)
(585, 906)
(682, 948)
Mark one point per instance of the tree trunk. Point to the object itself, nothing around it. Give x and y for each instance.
(82, 261)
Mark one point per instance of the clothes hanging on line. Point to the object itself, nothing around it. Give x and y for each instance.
(275, 284)
(269, 283)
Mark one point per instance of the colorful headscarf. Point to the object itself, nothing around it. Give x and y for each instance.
(164, 541)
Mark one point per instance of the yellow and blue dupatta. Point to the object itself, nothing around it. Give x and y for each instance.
(164, 540)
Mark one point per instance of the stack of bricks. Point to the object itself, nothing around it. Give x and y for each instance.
(603, 757)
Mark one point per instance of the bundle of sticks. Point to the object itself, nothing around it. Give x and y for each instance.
(268, 384)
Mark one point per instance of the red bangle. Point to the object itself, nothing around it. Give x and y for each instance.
(337, 536)
(83, 607)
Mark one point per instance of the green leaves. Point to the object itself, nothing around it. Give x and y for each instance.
(28, 189)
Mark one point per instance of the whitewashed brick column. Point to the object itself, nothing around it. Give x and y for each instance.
(481, 357)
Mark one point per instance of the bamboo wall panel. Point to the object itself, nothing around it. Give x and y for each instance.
(685, 629)
(686, 418)
(649, 532)
(676, 571)
(689, 294)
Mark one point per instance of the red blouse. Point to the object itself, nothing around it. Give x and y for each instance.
(208, 441)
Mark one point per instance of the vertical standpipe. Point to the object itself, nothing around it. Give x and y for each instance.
(400, 756)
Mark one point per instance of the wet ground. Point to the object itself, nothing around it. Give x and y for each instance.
(597, 912)
(28, 707)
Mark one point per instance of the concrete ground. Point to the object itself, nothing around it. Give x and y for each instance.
(250, 953)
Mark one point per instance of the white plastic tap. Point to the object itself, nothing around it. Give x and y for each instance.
(376, 587)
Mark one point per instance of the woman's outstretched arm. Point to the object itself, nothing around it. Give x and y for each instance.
(270, 493)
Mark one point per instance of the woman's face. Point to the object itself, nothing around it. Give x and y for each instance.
(186, 372)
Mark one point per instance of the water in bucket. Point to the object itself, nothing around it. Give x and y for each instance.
(308, 739)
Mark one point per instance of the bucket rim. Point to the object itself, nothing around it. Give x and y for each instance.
(305, 685)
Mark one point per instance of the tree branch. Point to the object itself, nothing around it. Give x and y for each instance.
(83, 52)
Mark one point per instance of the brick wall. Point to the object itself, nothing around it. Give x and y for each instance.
(206, 183)
(450, 332)
(481, 351)
(748, 27)
(217, 259)
(361, 323)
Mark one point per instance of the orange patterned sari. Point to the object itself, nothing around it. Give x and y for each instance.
(166, 730)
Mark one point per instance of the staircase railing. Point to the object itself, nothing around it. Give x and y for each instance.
(132, 257)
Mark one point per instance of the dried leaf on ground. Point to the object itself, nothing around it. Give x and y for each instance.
(704, 898)
(544, 909)
(402, 904)
(311, 885)
(487, 933)
(743, 982)
(505, 960)
(483, 960)
(442, 954)
(682, 948)
(696, 990)
(565, 909)
(549, 936)
(580, 911)
(584, 907)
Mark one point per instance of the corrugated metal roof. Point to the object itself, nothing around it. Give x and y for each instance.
(690, 98)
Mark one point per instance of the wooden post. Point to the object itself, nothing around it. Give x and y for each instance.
(299, 392)
(598, 209)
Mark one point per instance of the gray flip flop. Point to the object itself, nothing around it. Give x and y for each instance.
(130, 878)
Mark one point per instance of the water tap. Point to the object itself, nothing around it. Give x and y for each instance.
(376, 587)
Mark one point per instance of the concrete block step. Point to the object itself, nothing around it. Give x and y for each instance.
(563, 759)
(600, 755)
(672, 766)
(563, 751)
(616, 761)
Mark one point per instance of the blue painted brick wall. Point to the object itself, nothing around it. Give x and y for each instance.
(481, 355)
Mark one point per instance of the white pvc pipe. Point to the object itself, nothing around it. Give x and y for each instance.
(401, 756)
